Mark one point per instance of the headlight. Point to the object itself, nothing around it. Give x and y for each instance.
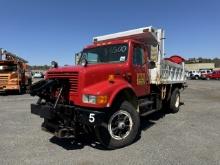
(95, 99)
(89, 99)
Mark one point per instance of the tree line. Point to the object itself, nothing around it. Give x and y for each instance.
(40, 67)
(216, 61)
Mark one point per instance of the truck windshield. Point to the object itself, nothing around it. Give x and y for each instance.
(106, 54)
(8, 68)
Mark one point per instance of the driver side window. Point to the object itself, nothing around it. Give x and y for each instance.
(138, 56)
(92, 58)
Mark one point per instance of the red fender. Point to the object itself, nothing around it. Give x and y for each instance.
(111, 89)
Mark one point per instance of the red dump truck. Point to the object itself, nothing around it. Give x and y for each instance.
(117, 79)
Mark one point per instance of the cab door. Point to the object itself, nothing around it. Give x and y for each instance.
(140, 73)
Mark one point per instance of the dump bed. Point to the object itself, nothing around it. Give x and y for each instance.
(166, 71)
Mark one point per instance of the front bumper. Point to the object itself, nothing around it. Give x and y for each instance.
(9, 87)
(84, 116)
(2, 89)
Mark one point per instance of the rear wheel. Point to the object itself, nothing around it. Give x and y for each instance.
(175, 101)
(121, 127)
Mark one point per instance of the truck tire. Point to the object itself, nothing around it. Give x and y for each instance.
(175, 101)
(196, 77)
(120, 128)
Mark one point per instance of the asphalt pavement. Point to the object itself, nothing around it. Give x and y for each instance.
(189, 137)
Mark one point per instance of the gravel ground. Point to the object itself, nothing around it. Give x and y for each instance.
(192, 136)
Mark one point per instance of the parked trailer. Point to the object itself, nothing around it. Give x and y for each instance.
(119, 77)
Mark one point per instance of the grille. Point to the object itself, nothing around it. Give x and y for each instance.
(3, 79)
(71, 76)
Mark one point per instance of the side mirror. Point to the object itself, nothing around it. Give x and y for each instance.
(152, 65)
(77, 58)
(54, 64)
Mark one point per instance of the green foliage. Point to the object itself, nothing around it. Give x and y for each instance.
(39, 67)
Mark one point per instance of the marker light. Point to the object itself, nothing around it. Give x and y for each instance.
(111, 78)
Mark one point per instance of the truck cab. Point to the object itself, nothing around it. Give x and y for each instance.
(128, 60)
(105, 68)
(116, 80)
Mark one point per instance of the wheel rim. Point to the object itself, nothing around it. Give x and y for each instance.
(177, 101)
(120, 125)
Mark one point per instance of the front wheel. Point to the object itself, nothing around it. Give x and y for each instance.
(121, 127)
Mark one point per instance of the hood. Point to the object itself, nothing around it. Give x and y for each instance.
(66, 69)
(93, 73)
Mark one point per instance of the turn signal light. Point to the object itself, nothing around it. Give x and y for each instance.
(101, 99)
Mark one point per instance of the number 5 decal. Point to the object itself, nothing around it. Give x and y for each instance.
(91, 117)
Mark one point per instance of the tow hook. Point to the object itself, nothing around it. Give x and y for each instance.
(64, 133)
